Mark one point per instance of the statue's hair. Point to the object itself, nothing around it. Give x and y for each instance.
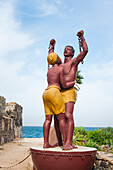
(72, 49)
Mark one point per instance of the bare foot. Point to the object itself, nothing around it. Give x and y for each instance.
(47, 145)
(67, 147)
(55, 145)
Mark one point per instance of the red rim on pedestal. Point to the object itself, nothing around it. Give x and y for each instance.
(57, 159)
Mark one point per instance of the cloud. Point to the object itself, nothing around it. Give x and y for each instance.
(101, 72)
(12, 38)
(48, 9)
(26, 90)
(40, 8)
(23, 60)
(94, 106)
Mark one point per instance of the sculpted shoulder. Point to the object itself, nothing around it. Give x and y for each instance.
(61, 66)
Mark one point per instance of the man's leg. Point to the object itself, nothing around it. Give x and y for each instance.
(46, 128)
(69, 124)
(62, 125)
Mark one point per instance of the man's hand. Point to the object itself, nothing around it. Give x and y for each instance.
(52, 42)
(80, 33)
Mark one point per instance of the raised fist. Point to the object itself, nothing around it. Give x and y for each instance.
(52, 42)
(80, 33)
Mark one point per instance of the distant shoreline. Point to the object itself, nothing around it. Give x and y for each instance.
(37, 131)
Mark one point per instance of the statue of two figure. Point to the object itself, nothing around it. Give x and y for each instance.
(60, 95)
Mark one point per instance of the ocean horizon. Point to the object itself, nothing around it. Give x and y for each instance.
(37, 131)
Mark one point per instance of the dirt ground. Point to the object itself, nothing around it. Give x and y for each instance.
(16, 151)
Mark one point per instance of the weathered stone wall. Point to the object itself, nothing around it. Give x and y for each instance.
(10, 121)
(104, 161)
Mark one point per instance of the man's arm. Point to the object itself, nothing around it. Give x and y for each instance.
(63, 82)
(83, 53)
(51, 47)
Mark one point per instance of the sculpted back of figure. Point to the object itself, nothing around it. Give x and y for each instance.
(53, 75)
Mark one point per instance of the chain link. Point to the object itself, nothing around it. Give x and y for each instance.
(17, 163)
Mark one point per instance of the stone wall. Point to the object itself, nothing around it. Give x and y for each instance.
(104, 161)
(10, 121)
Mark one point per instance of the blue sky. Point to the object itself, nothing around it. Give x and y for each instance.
(26, 28)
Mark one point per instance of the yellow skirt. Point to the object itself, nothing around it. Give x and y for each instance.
(53, 101)
(69, 95)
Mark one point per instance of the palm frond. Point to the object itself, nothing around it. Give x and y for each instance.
(79, 78)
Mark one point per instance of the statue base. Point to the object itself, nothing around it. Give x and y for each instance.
(81, 158)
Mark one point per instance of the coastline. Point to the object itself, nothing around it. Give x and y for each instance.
(37, 131)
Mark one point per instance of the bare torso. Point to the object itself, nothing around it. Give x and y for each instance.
(53, 76)
(70, 70)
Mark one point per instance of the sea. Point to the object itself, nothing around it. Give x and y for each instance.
(37, 131)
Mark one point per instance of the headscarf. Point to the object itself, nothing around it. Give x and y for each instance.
(52, 58)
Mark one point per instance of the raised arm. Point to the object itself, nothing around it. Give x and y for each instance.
(52, 46)
(63, 82)
(84, 46)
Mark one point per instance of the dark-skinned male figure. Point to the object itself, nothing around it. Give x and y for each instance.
(69, 95)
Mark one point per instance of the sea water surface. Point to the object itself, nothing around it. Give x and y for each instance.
(37, 131)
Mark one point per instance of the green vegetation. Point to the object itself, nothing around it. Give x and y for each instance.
(79, 78)
(95, 138)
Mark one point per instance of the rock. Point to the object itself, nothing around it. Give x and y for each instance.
(102, 147)
(98, 156)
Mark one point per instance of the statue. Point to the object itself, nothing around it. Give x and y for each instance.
(52, 98)
(59, 98)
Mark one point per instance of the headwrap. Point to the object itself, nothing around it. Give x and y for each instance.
(52, 58)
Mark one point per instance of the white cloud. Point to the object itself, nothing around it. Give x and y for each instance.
(48, 9)
(101, 71)
(39, 72)
(26, 90)
(95, 99)
(11, 36)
